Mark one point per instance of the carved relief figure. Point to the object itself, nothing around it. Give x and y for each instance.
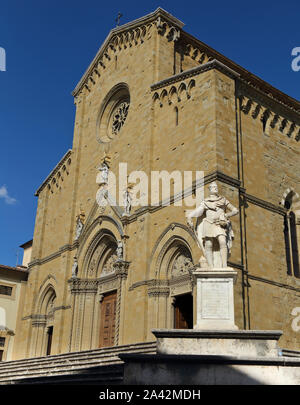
(182, 265)
(108, 266)
(213, 228)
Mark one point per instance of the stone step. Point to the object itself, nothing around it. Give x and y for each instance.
(106, 350)
(64, 357)
(100, 375)
(68, 363)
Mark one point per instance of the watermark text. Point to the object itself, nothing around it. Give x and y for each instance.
(296, 60)
(2, 60)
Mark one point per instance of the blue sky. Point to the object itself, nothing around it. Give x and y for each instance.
(48, 46)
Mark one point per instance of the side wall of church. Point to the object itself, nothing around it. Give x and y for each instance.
(269, 166)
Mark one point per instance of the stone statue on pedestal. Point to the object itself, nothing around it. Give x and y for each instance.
(213, 228)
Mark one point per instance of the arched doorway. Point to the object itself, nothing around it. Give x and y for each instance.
(48, 309)
(180, 267)
(97, 293)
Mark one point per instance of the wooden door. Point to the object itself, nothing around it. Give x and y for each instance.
(184, 312)
(108, 320)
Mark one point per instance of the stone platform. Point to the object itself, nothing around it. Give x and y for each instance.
(238, 343)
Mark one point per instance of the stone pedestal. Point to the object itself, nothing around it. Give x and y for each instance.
(214, 299)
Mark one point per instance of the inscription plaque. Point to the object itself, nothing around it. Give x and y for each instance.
(215, 300)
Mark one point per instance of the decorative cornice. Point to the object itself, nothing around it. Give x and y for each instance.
(53, 173)
(272, 115)
(196, 49)
(213, 64)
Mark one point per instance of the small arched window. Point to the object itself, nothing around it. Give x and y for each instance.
(290, 238)
(176, 116)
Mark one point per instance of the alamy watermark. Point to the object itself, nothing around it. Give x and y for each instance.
(296, 321)
(159, 188)
(296, 60)
(2, 60)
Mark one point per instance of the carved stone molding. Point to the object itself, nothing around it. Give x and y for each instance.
(167, 30)
(172, 287)
(271, 116)
(83, 286)
(39, 320)
(198, 54)
(103, 284)
(213, 64)
(121, 268)
(158, 288)
(175, 93)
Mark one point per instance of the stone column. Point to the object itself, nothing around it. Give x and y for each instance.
(121, 271)
(214, 298)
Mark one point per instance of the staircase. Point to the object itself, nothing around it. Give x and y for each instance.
(99, 366)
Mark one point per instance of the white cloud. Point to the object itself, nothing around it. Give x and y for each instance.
(7, 198)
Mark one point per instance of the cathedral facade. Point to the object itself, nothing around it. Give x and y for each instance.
(157, 99)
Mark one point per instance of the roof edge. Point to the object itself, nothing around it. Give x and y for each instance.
(26, 244)
(56, 168)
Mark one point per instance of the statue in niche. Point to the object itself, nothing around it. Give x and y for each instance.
(120, 250)
(213, 228)
(75, 268)
(79, 224)
(102, 177)
(104, 171)
(127, 199)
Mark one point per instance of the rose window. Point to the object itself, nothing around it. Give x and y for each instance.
(119, 117)
(113, 113)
